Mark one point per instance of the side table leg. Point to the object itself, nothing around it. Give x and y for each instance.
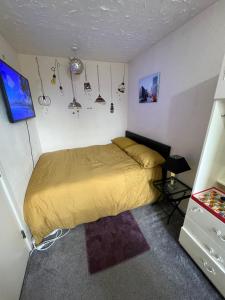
(172, 212)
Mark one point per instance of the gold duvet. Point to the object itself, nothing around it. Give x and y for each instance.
(75, 186)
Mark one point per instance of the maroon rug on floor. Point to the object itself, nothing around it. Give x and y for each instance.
(112, 240)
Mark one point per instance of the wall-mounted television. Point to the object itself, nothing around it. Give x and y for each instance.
(16, 93)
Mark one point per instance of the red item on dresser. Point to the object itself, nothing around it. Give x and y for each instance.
(211, 200)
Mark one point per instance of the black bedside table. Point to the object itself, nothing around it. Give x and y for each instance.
(173, 194)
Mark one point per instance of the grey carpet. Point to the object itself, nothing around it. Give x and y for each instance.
(163, 272)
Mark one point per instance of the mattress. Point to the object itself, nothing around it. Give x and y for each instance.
(75, 186)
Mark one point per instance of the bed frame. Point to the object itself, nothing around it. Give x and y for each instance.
(163, 149)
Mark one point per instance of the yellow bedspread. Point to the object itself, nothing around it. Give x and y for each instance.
(76, 186)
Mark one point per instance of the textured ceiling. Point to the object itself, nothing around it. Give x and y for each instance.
(114, 30)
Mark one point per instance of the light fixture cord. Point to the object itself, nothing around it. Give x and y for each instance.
(85, 71)
(145, 4)
(57, 67)
(111, 81)
(98, 80)
(29, 139)
(72, 84)
(39, 74)
(124, 73)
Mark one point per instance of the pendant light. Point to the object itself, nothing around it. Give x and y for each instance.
(53, 69)
(111, 105)
(99, 99)
(76, 65)
(74, 104)
(59, 78)
(43, 99)
(121, 87)
(87, 85)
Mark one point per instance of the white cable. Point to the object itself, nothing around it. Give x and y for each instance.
(47, 244)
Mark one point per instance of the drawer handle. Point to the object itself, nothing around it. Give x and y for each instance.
(214, 255)
(196, 209)
(219, 234)
(217, 257)
(209, 268)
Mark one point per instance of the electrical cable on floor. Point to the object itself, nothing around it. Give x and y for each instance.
(31, 150)
(45, 245)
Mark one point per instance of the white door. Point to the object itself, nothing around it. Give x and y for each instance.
(13, 250)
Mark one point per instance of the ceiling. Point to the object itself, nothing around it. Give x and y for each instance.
(111, 30)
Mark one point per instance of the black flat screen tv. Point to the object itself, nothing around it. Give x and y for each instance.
(16, 93)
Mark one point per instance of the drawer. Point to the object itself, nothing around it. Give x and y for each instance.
(211, 269)
(216, 252)
(212, 226)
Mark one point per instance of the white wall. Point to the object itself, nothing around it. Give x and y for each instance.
(15, 158)
(57, 126)
(189, 60)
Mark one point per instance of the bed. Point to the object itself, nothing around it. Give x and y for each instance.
(75, 186)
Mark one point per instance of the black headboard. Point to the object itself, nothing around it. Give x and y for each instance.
(163, 149)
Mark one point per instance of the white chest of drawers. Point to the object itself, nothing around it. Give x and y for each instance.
(203, 237)
(203, 232)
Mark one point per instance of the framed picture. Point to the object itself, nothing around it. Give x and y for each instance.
(149, 88)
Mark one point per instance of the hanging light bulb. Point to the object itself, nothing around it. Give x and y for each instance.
(112, 108)
(59, 78)
(53, 69)
(53, 81)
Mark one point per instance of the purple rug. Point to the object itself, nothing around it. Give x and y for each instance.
(112, 240)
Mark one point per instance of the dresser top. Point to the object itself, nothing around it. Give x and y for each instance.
(211, 200)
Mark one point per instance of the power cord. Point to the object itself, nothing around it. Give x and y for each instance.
(31, 150)
(45, 245)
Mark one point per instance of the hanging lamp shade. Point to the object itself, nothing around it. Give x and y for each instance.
(177, 164)
(74, 104)
(100, 100)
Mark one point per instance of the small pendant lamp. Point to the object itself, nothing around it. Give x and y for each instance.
(99, 99)
(121, 87)
(111, 105)
(74, 104)
(87, 85)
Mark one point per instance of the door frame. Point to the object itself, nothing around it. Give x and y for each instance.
(6, 190)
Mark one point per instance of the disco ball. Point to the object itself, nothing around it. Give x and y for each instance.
(76, 65)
